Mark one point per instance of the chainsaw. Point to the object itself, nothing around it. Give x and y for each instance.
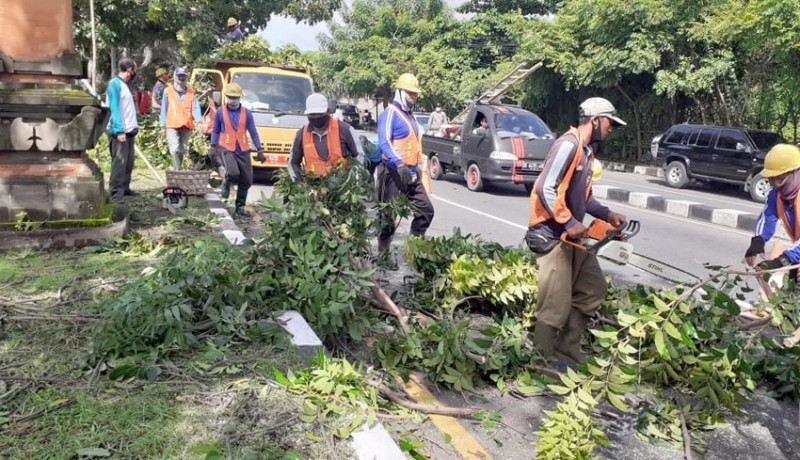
(611, 243)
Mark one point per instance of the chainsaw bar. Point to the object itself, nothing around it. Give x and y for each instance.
(662, 270)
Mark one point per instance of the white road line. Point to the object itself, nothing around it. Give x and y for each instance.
(480, 213)
(627, 185)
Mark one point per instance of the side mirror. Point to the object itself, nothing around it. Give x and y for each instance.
(216, 96)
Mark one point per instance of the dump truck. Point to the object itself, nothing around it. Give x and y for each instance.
(275, 93)
(491, 142)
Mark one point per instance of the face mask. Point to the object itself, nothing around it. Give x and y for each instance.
(438, 109)
(318, 123)
(407, 100)
(234, 104)
(789, 186)
(597, 135)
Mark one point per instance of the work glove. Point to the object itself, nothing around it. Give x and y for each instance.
(756, 247)
(260, 157)
(405, 175)
(781, 261)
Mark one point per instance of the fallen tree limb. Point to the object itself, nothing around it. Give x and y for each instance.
(401, 400)
(41, 412)
(755, 324)
(687, 438)
(78, 319)
(792, 339)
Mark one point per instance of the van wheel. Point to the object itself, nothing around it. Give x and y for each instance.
(759, 188)
(473, 177)
(435, 168)
(676, 175)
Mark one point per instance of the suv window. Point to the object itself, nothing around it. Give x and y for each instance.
(704, 139)
(765, 140)
(677, 135)
(728, 139)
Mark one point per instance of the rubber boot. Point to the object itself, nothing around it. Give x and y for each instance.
(385, 258)
(241, 200)
(544, 338)
(569, 344)
(226, 188)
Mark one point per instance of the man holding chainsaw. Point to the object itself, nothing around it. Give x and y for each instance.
(571, 284)
(782, 168)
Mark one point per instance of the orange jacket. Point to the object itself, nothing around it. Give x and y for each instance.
(315, 164)
(179, 113)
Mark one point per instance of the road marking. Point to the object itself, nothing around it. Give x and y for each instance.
(462, 441)
(481, 213)
(677, 193)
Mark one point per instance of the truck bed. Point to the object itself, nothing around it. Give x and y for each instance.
(448, 150)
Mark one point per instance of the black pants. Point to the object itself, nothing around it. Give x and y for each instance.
(122, 158)
(239, 170)
(389, 186)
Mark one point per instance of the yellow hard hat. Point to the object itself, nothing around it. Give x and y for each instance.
(781, 159)
(233, 90)
(232, 22)
(160, 71)
(408, 82)
(597, 170)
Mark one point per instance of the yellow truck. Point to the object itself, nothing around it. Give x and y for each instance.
(275, 93)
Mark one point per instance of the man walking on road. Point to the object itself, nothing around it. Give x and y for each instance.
(180, 110)
(571, 284)
(782, 168)
(437, 122)
(231, 146)
(403, 168)
(324, 143)
(122, 129)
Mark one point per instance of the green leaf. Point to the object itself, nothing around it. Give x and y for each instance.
(559, 390)
(660, 346)
(616, 401)
(672, 331)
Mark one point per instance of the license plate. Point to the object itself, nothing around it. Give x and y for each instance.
(532, 165)
(276, 159)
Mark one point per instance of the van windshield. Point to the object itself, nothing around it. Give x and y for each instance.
(279, 93)
(521, 124)
(765, 140)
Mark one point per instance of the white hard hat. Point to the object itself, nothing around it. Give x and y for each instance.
(316, 103)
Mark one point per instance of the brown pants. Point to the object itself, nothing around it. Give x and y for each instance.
(568, 278)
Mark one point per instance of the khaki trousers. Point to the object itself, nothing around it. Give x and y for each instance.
(568, 278)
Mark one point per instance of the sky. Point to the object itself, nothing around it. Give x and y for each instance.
(282, 31)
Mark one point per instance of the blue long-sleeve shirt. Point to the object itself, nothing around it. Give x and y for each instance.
(768, 221)
(219, 128)
(122, 107)
(198, 117)
(391, 126)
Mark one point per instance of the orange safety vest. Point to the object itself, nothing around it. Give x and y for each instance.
(231, 138)
(179, 113)
(315, 164)
(409, 148)
(562, 214)
(794, 233)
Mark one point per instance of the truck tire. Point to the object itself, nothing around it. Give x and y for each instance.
(474, 179)
(759, 188)
(435, 168)
(676, 175)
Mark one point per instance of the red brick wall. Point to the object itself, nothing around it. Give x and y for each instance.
(35, 30)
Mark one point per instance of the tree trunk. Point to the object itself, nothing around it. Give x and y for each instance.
(723, 102)
(637, 121)
(113, 62)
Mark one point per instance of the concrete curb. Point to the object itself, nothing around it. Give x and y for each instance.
(732, 218)
(371, 442)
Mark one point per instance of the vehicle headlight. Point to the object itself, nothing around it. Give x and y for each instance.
(500, 155)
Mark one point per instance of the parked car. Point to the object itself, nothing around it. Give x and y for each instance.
(350, 114)
(422, 119)
(716, 154)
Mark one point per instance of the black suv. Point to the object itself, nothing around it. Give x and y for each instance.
(715, 154)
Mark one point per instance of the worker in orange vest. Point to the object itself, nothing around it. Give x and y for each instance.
(232, 148)
(323, 143)
(180, 110)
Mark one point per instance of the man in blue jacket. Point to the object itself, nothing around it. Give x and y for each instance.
(122, 129)
(403, 162)
(231, 146)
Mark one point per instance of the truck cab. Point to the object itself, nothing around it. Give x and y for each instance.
(275, 93)
(509, 146)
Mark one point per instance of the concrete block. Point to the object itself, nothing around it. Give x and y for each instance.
(726, 217)
(680, 207)
(375, 443)
(701, 212)
(220, 212)
(747, 222)
(601, 191)
(618, 194)
(234, 236)
(302, 336)
(641, 199)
